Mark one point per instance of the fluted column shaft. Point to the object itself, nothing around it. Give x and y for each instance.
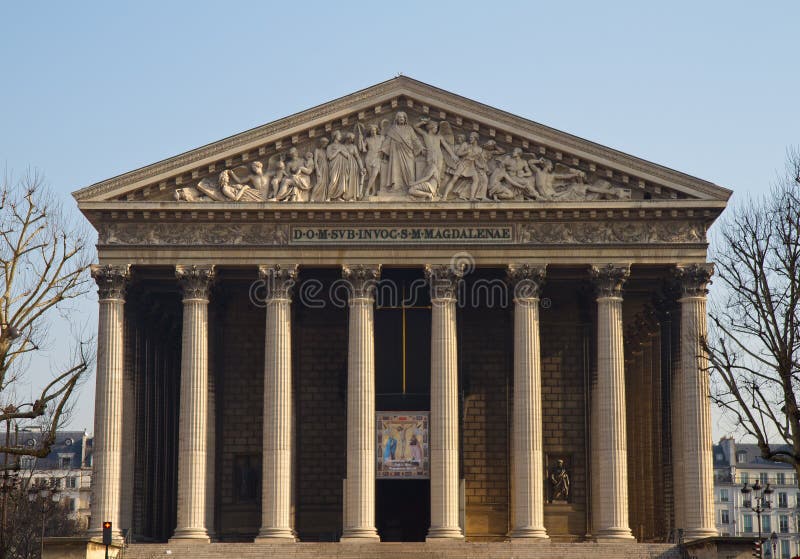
(610, 487)
(276, 502)
(444, 403)
(193, 420)
(526, 436)
(697, 442)
(359, 513)
(107, 452)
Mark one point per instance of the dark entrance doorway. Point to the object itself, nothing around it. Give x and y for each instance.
(403, 509)
(402, 382)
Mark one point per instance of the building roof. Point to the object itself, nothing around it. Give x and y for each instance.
(752, 457)
(68, 444)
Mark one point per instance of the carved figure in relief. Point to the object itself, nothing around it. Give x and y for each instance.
(296, 184)
(401, 145)
(255, 176)
(546, 178)
(237, 192)
(370, 144)
(356, 172)
(473, 164)
(426, 187)
(437, 139)
(345, 168)
(319, 193)
(190, 194)
(512, 178)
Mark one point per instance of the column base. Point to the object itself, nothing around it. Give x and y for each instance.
(275, 535)
(615, 535)
(444, 533)
(529, 535)
(699, 533)
(360, 535)
(194, 535)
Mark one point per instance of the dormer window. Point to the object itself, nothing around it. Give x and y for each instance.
(741, 456)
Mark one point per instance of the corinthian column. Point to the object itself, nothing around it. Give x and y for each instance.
(359, 513)
(276, 500)
(610, 481)
(443, 281)
(107, 458)
(195, 282)
(698, 472)
(526, 434)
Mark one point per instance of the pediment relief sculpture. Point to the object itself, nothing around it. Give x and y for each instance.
(400, 160)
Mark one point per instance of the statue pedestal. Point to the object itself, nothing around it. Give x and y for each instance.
(565, 521)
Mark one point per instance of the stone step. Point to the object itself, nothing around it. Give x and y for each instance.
(415, 550)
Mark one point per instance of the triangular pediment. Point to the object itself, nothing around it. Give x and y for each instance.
(357, 149)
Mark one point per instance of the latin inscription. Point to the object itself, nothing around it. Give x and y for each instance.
(402, 235)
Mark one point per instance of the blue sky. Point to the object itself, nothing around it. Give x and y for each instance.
(93, 89)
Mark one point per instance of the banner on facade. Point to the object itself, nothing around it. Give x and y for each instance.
(402, 445)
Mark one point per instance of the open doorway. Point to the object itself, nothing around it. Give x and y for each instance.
(403, 509)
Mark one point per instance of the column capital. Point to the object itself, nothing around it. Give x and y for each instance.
(694, 279)
(527, 280)
(444, 279)
(609, 279)
(362, 279)
(195, 280)
(112, 281)
(279, 279)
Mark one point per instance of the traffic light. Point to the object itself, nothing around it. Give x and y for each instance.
(757, 549)
(106, 533)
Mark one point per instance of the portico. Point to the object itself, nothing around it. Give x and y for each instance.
(262, 338)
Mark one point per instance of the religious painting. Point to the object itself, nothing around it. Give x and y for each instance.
(402, 445)
(558, 477)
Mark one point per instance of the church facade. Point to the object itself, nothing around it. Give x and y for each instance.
(402, 316)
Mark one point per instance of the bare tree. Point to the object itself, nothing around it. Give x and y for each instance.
(44, 260)
(754, 340)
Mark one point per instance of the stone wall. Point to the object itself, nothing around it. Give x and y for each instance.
(486, 345)
(238, 350)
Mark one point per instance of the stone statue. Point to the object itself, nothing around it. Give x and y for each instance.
(356, 173)
(190, 194)
(545, 178)
(437, 140)
(401, 145)
(370, 144)
(559, 482)
(319, 192)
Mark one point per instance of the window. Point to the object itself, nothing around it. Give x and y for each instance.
(764, 478)
(766, 524)
(784, 523)
(744, 477)
(55, 482)
(65, 462)
(72, 482)
(780, 479)
(748, 522)
(724, 518)
(72, 505)
(723, 495)
(783, 500)
(785, 549)
(740, 456)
